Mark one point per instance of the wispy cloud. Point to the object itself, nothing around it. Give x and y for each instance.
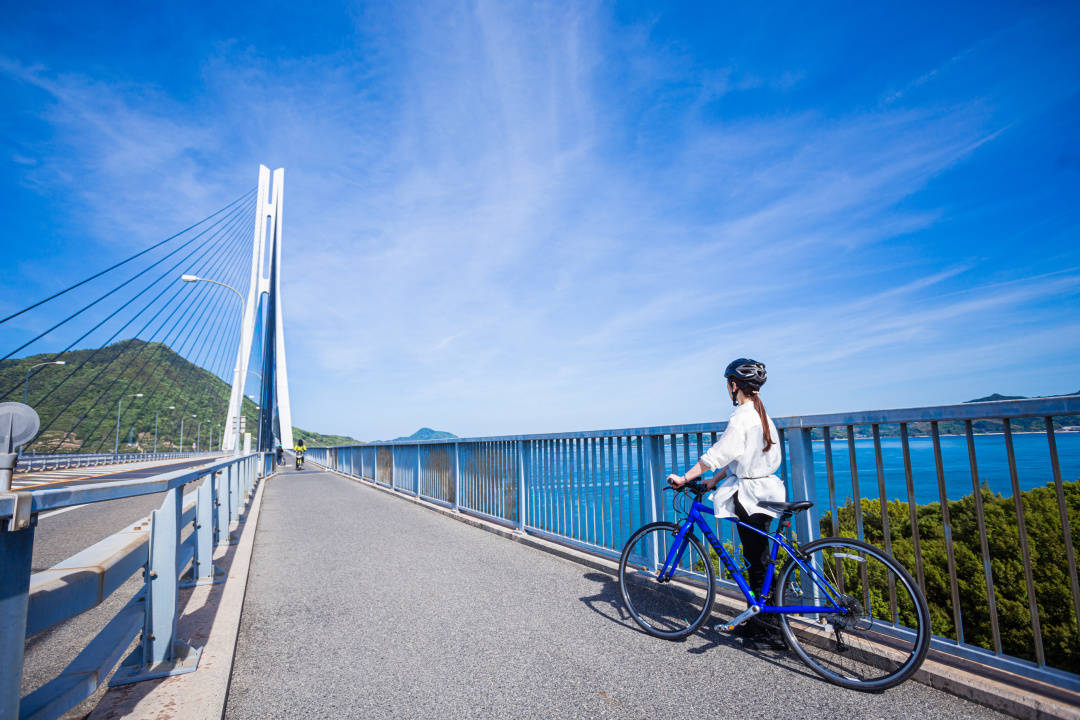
(483, 233)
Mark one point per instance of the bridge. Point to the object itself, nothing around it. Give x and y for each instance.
(473, 577)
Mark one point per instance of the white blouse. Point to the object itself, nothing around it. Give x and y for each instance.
(751, 469)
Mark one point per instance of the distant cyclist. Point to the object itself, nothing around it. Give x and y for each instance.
(300, 449)
(280, 454)
(746, 458)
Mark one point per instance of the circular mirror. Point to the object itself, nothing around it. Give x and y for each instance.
(18, 425)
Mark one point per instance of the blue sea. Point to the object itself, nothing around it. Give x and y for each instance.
(603, 513)
(1033, 466)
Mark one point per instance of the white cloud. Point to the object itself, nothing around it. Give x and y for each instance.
(482, 234)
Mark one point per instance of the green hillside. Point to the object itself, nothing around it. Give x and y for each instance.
(77, 402)
(314, 439)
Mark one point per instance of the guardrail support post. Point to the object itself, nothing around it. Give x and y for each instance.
(203, 571)
(393, 467)
(417, 483)
(16, 549)
(523, 475)
(221, 504)
(160, 653)
(234, 493)
(803, 483)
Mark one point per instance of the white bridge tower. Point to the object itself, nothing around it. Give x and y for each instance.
(264, 301)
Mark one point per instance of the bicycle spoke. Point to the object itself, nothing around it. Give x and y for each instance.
(882, 635)
(665, 607)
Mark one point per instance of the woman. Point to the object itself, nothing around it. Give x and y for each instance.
(746, 457)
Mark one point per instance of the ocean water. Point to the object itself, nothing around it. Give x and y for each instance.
(1033, 466)
(607, 506)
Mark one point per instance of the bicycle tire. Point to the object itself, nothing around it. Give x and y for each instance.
(670, 600)
(870, 639)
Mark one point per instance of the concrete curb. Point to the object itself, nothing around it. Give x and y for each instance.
(999, 690)
(210, 619)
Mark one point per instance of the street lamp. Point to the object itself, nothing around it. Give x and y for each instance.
(182, 433)
(237, 393)
(26, 387)
(171, 407)
(198, 434)
(116, 445)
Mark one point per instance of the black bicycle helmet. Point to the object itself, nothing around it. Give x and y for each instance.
(746, 373)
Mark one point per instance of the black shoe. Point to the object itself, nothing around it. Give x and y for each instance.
(769, 627)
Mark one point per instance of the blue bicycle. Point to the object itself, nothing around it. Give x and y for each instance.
(846, 608)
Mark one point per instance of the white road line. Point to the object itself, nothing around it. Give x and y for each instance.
(61, 510)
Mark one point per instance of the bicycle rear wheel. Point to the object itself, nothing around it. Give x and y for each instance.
(883, 637)
(674, 608)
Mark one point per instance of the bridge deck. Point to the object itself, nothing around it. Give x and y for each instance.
(361, 605)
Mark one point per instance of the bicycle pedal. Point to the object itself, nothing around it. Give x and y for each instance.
(741, 618)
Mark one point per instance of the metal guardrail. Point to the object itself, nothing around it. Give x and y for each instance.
(63, 461)
(157, 545)
(592, 489)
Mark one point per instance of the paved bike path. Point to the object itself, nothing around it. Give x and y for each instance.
(362, 605)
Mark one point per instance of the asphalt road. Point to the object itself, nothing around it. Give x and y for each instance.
(362, 605)
(62, 533)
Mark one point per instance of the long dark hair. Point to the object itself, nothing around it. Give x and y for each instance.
(760, 407)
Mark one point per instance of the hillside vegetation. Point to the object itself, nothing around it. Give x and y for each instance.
(77, 402)
(1046, 544)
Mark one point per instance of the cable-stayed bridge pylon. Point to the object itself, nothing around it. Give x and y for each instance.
(133, 359)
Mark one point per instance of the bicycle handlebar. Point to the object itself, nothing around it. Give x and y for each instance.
(694, 486)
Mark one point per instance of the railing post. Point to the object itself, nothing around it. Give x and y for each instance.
(523, 476)
(654, 469)
(457, 477)
(221, 504)
(16, 549)
(417, 483)
(203, 571)
(393, 467)
(160, 653)
(234, 493)
(803, 482)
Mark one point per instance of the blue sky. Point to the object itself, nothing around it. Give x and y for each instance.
(522, 217)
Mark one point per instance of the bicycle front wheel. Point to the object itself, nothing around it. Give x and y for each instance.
(667, 608)
(883, 634)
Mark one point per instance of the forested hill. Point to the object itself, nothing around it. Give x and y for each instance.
(315, 439)
(77, 402)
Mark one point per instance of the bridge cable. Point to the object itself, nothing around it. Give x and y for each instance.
(238, 225)
(237, 218)
(124, 262)
(230, 273)
(99, 299)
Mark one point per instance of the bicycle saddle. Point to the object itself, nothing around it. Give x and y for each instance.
(787, 507)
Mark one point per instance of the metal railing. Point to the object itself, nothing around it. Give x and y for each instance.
(592, 489)
(64, 461)
(158, 545)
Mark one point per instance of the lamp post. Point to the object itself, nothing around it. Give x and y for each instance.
(116, 445)
(258, 409)
(237, 390)
(26, 387)
(182, 432)
(198, 434)
(156, 412)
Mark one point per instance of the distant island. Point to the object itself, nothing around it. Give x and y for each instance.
(956, 427)
(426, 433)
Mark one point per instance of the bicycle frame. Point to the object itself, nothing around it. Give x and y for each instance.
(695, 519)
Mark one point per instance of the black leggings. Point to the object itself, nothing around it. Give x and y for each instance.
(755, 547)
